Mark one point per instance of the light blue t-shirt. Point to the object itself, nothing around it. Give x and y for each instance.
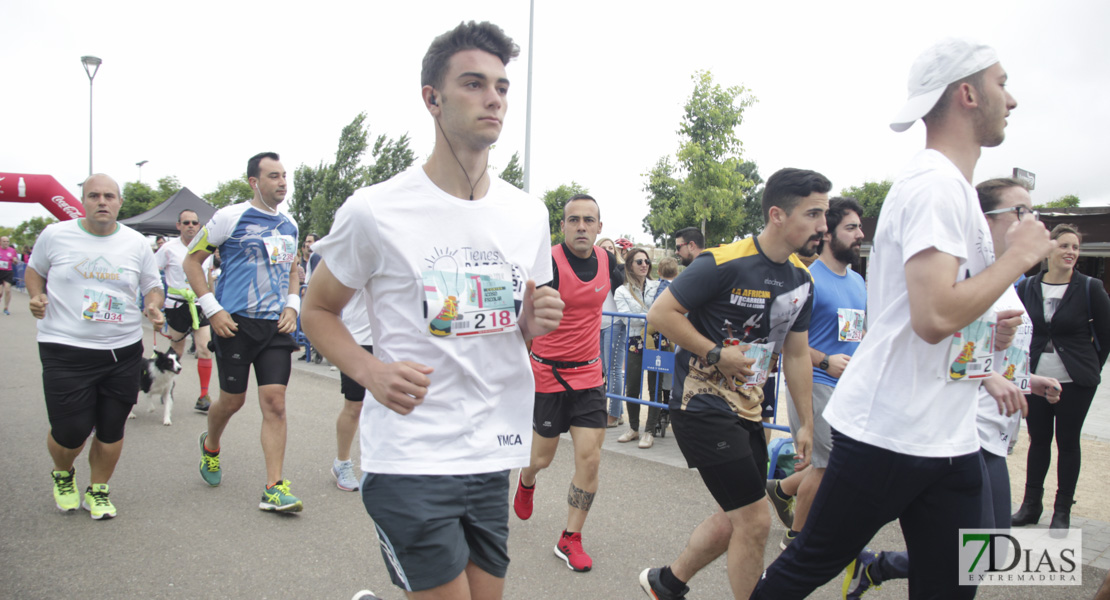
(257, 249)
(839, 307)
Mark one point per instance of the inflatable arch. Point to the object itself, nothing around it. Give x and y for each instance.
(44, 189)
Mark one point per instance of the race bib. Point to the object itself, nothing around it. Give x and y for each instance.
(761, 353)
(280, 248)
(5, 265)
(850, 324)
(102, 307)
(971, 352)
(474, 300)
(1015, 360)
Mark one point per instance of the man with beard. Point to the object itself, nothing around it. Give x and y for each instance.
(839, 305)
(688, 244)
(729, 311)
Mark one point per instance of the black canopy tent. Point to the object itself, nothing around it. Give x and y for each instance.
(162, 219)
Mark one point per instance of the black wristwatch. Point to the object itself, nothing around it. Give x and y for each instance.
(824, 364)
(713, 356)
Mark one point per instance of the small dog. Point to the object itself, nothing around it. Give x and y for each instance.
(156, 381)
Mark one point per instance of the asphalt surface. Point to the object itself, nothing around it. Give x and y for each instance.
(175, 537)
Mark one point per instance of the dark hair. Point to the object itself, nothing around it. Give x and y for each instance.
(581, 197)
(990, 191)
(467, 36)
(1063, 228)
(838, 207)
(160, 238)
(315, 238)
(691, 234)
(253, 170)
(945, 101)
(787, 186)
(185, 210)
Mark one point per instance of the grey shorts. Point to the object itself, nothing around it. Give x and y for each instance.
(430, 526)
(822, 433)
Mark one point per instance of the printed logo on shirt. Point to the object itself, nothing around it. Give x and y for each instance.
(511, 439)
(470, 292)
(99, 268)
(750, 298)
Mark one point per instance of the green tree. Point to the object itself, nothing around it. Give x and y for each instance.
(554, 201)
(709, 155)
(139, 197)
(27, 232)
(1068, 201)
(752, 203)
(870, 195)
(232, 191)
(319, 192)
(513, 173)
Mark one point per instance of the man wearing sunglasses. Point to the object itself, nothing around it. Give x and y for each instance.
(181, 313)
(688, 244)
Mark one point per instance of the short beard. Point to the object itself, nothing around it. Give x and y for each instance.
(685, 261)
(848, 255)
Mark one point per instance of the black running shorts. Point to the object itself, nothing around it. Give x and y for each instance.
(557, 413)
(352, 391)
(257, 343)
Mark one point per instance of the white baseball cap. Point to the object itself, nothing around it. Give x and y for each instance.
(946, 62)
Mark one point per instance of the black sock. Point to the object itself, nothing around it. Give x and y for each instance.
(669, 581)
(778, 491)
(527, 487)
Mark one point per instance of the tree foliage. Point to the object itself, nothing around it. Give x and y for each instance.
(707, 185)
(752, 203)
(232, 191)
(554, 201)
(26, 232)
(319, 191)
(139, 197)
(513, 173)
(870, 195)
(1068, 201)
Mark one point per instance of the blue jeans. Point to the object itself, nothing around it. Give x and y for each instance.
(864, 488)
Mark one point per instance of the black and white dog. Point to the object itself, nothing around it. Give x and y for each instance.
(156, 381)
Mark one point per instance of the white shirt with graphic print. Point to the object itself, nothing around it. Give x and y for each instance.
(443, 279)
(93, 285)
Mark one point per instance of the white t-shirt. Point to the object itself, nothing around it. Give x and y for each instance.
(169, 259)
(895, 393)
(423, 256)
(995, 429)
(355, 318)
(93, 285)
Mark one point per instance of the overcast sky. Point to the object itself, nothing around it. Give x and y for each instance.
(197, 88)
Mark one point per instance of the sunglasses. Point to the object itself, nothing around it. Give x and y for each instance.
(1019, 209)
(642, 261)
(190, 222)
(678, 246)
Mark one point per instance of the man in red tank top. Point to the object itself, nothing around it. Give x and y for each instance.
(567, 367)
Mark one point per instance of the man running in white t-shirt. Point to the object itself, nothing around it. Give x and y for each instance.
(182, 314)
(253, 312)
(905, 444)
(450, 259)
(90, 336)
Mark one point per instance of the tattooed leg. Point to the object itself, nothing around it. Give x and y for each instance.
(580, 498)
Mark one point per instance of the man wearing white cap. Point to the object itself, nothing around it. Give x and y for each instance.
(903, 415)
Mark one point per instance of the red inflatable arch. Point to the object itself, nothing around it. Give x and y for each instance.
(44, 189)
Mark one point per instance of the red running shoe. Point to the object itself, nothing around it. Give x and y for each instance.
(522, 501)
(570, 549)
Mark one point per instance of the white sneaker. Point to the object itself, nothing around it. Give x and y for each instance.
(344, 475)
(647, 440)
(628, 436)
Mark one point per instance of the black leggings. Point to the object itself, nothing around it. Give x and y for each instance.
(1067, 415)
(634, 371)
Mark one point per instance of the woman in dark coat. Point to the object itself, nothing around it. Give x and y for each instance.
(1071, 339)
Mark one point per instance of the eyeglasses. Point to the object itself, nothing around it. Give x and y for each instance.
(677, 246)
(642, 261)
(190, 222)
(1020, 209)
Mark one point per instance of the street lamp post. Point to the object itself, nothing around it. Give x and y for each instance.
(140, 165)
(94, 63)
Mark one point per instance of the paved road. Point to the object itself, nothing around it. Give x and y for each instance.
(177, 538)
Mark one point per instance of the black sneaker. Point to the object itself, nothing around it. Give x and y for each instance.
(654, 588)
(784, 507)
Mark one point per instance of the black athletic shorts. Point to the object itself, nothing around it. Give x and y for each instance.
(181, 320)
(352, 391)
(257, 343)
(7, 277)
(557, 413)
(730, 452)
(89, 388)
